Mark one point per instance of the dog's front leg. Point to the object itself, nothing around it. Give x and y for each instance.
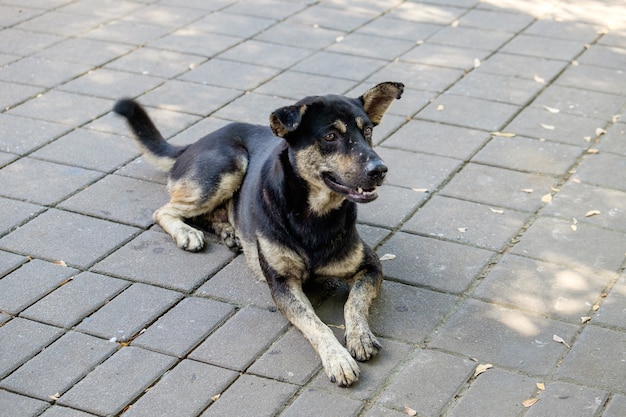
(360, 341)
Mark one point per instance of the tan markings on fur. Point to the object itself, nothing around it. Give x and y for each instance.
(360, 123)
(283, 260)
(360, 340)
(340, 126)
(164, 164)
(377, 100)
(345, 267)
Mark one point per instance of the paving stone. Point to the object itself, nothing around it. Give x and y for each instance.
(10, 262)
(271, 9)
(568, 30)
(58, 308)
(57, 411)
(120, 199)
(195, 42)
(20, 136)
(496, 88)
(312, 402)
(528, 67)
(553, 240)
(603, 169)
(495, 20)
(433, 263)
(60, 107)
(232, 24)
(117, 381)
(184, 391)
(499, 187)
(616, 407)
(22, 42)
(575, 200)
(438, 139)
(46, 236)
(590, 77)
(256, 52)
(265, 396)
(505, 337)
(380, 411)
(604, 56)
(112, 84)
(333, 17)
(543, 47)
(416, 170)
(43, 182)
(13, 94)
(614, 140)
(391, 27)
(236, 283)
(469, 112)
(132, 33)
(154, 258)
(580, 102)
(12, 15)
(445, 56)
(407, 313)
(90, 150)
(333, 64)
(61, 23)
(14, 212)
(543, 288)
(86, 51)
(296, 85)
(293, 34)
(373, 372)
(163, 15)
(19, 405)
(393, 205)
(141, 169)
(42, 72)
(495, 393)
(418, 76)
(566, 400)
(479, 38)
(155, 62)
(530, 155)
(466, 222)
(229, 74)
(22, 339)
(180, 329)
(252, 108)
(613, 307)
(239, 341)
(441, 376)
(290, 359)
(32, 281)
(129, 312)
(371, 235)
(432, 13)
(59, 366)
(361, 45)
(557, 127)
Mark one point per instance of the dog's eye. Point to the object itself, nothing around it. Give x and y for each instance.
(330, 136)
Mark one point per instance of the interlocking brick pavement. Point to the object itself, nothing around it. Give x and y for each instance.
(505, 208)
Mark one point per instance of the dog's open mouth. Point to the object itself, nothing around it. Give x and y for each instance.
(358, 195)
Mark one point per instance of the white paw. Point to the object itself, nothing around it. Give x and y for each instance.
(362, 345)
(340, 367)
(190, 239)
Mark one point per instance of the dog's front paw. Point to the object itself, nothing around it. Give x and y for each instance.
(362, 345)
(190, 239)
(340, 367)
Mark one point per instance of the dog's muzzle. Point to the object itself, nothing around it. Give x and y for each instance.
(376, 171)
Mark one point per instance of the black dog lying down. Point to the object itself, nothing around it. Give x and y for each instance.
(286, 196)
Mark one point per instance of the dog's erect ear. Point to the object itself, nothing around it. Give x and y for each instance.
(377, 100)
(286, 119)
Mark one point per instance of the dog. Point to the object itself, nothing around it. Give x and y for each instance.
(286, 196)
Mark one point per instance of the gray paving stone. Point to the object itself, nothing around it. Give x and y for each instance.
(184, 391)
(20, 136)
(499, 187)
(256, 52)
(311, 403)
(58, 308)
(433, 263)
(407, 313)
(432, 13)
(584, 103)
(141, 169)
(568, 30)
(528, 155)
(612, 310)
(290, 359)
(13, 94)
(553, 240)
(107, 83)
(391, 27)
(265, 396)
(575, 200)
(235, 283)
(61, 23)
(445, 56)
(86, 51)
(59, 366)
(85, 7)
(333, 17)
(41, 72)
(604, 56)
(496, 88)
(438, 139)
(163, 15)
(505, 337)
(596, 359)
(239, 341)
(427, 382)
(9, 262)
(132, 33)
(180, 329)
(43, 182)
(495, 393)
(22, 42)
(371, 235)
(361, 45)
(528, 67)
(296, 85)
(479, 38)
(22, 339)
(155, 62)
(469, 112)
(46, 236)
(236, 25)
(615, 139)
(194, 43)
(32, 281)
(603, 169)
(273, 9)
(293, 34)
(495, 20)
(333, 64)
(416, 170)
(154, 258)
(121, 199)
(229, 74)
(467, 222)
(543, 288)
(543, 47)
(373, 372)
(90, 149)
(117, 381)
(14, 213)
(380, 411)
(418, 76)
(15, 405)
(58, 411)
(616, 407)
(392, 206)
(252, 108)
(590, 77)
(566, 400)
(128, 313)
(13, 15)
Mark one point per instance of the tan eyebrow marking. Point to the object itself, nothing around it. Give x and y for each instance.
(359, 123)
(340, 126)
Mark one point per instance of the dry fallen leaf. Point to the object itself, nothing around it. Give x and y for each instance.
(55, 396)
(574, 227)
(546, 198)
(440, 107)
(497, 211)
(338, 326)
(593, 151)
(454, 23)
(545, 126)
(615, 118)
(387, 257)
(591, 213)
(60, 263)
(528, 190)
(462, 229)
(476, 62)
(600, 131)
(559, 339)
(529, 402)
(482, 368)
(538, 79)
(541, 386)
(503, 134)
(585, 319)
(409, 411)
(215, 397)
(551, 109)
(595, 307)
(420, 190)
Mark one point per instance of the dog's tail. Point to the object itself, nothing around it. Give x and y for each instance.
(155, 149)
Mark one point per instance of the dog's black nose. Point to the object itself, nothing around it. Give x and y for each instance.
(376, 170)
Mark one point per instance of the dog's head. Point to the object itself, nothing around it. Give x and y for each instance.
(330, 143)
